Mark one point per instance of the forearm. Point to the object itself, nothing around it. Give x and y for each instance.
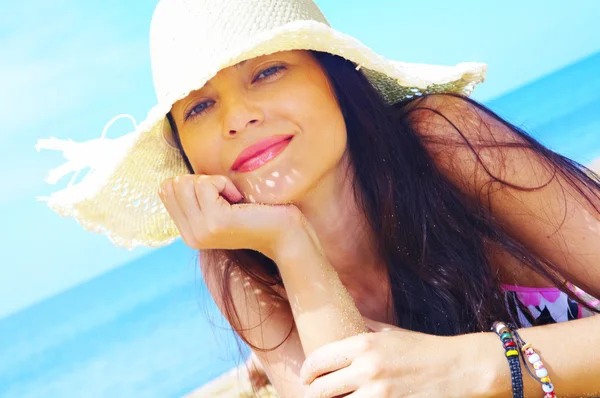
(570, 351)
(323, 309)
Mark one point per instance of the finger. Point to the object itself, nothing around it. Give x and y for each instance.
(366, 392)
(329, 358)
(265, 217)
(224, 187)
(208, 194)
(340, 382)
(375, 326)
(185, 194)
(167, 196)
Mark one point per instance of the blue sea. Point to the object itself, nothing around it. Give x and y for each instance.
(146, 329)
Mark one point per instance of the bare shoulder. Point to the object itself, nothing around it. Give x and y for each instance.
(540, 198)
(474, 147)
(456, 119)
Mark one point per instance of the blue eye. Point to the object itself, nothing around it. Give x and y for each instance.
(269, 72)
(198, 109)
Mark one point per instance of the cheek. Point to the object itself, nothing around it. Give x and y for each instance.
(326, 131)
(203, 155)
(315, 110)
(316, 151)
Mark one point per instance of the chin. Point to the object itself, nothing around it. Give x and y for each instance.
(273, 196)
(277, 183)
(284, 182)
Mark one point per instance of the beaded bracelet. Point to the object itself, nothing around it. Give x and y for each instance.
(512, 355)
(534, 359)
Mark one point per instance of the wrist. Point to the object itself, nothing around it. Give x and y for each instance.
(489, 373)
(499, 383)
(296, 242)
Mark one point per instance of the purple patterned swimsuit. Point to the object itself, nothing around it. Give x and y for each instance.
(549, 305)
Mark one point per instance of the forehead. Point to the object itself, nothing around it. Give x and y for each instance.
(292, 57)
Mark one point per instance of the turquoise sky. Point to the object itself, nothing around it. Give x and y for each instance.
(70, 65)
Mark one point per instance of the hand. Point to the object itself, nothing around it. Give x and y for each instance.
(391, 362)
(208, 213)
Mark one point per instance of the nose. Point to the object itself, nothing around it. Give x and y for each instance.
(240, 114)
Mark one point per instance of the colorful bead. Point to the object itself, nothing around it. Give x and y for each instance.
(500, 327)
(533, 358)
(538, 365)
(548, 387)
(529, 351)
(509, 344)
(541, 373)
(504, 330)
(512, 356)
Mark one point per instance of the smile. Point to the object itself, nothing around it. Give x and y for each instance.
(260, 153)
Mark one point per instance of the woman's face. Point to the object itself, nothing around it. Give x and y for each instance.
(272, 124)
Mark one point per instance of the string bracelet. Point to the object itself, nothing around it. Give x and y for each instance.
(512, 355)
(531, 357)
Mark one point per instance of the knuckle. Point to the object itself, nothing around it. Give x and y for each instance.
(294, 214)
(186, 180)
(177, 183)
(374, 370)
(314, 390)
(200, 181)
(221, 178)
(198, 239)
(320, 388)
(364, 345)
(308, 369)
(203, 179)
(388, 391)
(212, 226)
(383, 390)
(215, 224)
(167, 186)
(190, 241)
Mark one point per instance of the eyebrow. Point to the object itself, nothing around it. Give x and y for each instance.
(237, 66)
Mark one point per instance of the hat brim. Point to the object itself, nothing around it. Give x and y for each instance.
(120, 197)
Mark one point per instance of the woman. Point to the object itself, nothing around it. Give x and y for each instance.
(358, 220)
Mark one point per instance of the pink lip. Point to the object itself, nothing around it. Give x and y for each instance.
(260, 153)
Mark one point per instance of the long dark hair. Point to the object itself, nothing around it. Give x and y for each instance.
(435, 240)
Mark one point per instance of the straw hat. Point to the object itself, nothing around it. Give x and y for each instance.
(190, 41)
